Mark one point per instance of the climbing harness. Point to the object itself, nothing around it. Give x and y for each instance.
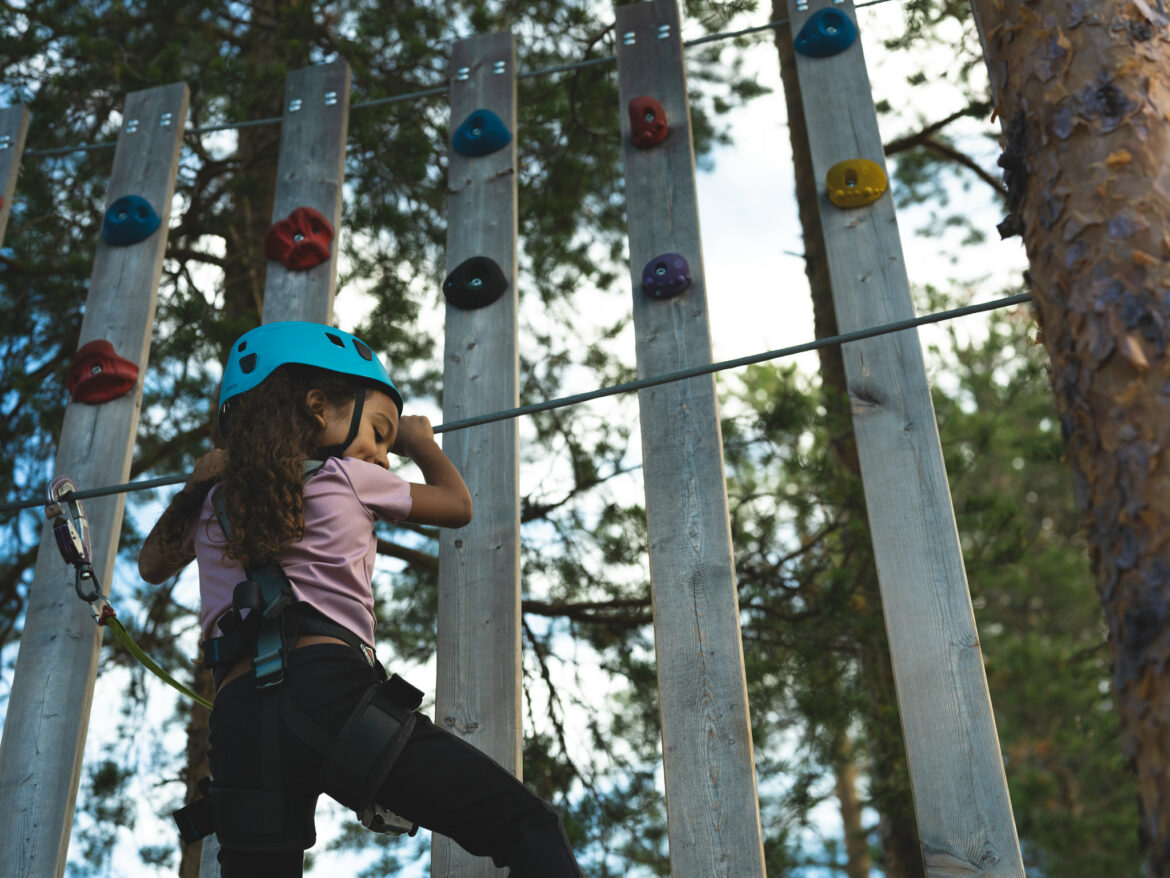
(264, 623)
(71, 530)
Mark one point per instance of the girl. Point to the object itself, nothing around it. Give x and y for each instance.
(282, 525)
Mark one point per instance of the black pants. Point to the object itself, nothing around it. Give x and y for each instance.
(440, 781)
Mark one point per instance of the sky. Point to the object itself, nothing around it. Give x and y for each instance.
(758, 300)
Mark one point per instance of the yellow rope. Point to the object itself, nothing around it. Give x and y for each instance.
(123, 636)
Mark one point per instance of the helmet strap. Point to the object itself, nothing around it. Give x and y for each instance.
(355, 421)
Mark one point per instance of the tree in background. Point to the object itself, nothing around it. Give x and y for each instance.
(1083, 94)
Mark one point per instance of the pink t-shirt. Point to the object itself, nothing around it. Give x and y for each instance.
(331, 567)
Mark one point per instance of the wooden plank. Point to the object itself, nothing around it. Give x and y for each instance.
(52, 689)
(711, 797)
(960, 793)
(478, 676)
(13, 129)
(309, 173)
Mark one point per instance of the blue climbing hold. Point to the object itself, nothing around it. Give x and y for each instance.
(827, 32)
(129, 220)
(482, 133)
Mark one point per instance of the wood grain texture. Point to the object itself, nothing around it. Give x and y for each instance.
(309, 173)
(956, 771)
(52, 690)
(478, 675)
(711, 794)
(13, 129)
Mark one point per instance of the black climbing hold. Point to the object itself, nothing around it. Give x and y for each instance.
(666, 276)
(480, 134)
(475, 283)
(827, 32)
(129, 220)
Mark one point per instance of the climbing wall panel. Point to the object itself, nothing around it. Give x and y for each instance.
(711, 795)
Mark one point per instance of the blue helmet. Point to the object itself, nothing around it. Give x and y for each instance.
(257, 353)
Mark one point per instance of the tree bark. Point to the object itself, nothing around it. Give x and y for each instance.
(858, 862)
(890, 780)
(1083, 91)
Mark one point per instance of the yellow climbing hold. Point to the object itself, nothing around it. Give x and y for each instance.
(855, 183)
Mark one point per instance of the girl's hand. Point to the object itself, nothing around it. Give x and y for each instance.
(414, 432)
(210, 466)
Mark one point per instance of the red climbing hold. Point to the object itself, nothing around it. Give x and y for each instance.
(301, 241)
(648, 126)
(99, 374)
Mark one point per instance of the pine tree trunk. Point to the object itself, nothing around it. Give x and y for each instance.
(858, 862)
(890, 793)
(1083, 91)
(198, 742)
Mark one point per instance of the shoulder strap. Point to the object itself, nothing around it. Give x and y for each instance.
(267, 593)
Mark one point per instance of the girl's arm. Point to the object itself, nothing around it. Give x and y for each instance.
(444, 500)
(164, 552)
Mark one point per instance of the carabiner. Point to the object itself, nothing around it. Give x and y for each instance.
(70, 526)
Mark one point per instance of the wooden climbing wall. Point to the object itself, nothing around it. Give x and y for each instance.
(956, 771)
(711, 801)
(310, 171)
(478, 693)
(52, 689)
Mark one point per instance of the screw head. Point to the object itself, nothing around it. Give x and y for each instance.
(298, 237)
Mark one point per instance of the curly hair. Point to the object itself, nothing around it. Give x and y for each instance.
(272, 431)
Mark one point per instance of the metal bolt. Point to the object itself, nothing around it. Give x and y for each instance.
(649, 117)
(330, 98)
(663, 31)
(463, 73)
(95, 370)
(165, 120)
(294, 106)
(831, 29)
(298, 237)
(131, 126)
(5, 141)
(475, 283)
(499, 67)
(629, 38)
(476, 131)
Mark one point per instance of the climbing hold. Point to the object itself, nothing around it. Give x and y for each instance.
(480, 134)
(827, 32)
(648, 125)
(98, 374)
(301, 240)
(129, 220)
(666, 276)
(855, 183)
(475, 283)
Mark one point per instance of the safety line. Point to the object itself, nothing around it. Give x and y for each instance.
(437, 90)
(614, 390)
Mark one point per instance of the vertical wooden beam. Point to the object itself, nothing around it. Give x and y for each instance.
(478, 685)
(956, 772)
(13, 128)
(310, 170)
(711, 797)
(52, 690)
(309, 173)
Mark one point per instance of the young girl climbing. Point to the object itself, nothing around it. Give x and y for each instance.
(282, 526)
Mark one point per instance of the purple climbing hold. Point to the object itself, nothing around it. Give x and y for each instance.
(666, 276)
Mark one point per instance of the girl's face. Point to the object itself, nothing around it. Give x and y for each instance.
(376, 432)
